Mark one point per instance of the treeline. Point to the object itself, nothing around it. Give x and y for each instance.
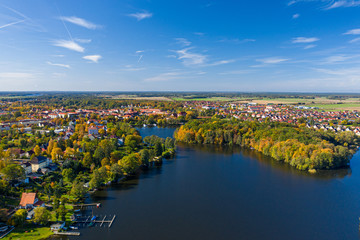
(300, 147)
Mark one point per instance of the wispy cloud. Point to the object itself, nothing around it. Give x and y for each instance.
(71, 45)
(305, 40)
(330, 4)
(310, 46)
(296, 16)
(80, 40)
(141, 15)
(7, 75)
(190, 58)
(12, 23)
(340, 59)
(343, 3)
(354, 40)
(272, 60)
(237, 72)
(353, 32)
(80, 22)
(183, 42)
(341, 72)
(93, 58)
(58, 64)
(237, 40)
(130, 68)
(222, 62)
(164, 77)
(28, 22)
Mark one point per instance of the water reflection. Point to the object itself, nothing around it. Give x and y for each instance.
(266, 160)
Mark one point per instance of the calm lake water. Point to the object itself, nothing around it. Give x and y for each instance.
(222, 193)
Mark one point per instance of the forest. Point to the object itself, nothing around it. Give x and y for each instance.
(299, 146)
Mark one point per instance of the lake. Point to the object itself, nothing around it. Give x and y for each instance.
(209, 192)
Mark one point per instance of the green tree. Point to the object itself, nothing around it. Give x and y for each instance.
(13, 172)
(42, 216)
(19, 218)
(145, 157)
(131, 163)
(78, 190)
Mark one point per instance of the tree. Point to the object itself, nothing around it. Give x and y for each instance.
(115, 172)
(98, 178)
(78, 190)
(145, 157)
(133, 141)
(61, 213)
(13, 172)
(87, 160)
(19, 217)
(37, 150)
(68, 174)
(158, 148)
(56, 153)
(42, 216)
(50, 147)
(131, 163)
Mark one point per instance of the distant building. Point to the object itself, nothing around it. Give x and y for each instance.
(39, 162)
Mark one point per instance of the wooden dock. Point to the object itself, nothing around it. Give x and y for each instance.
(87, 219)
(68, 233)
(88, 205)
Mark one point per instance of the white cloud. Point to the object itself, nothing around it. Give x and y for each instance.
(10, 24)
(164, 77)
(353, 32)
(141, 15)
(341, 72)
(183, 42)
(354, 40)
(309, 46)
(221, 62)
(237, 40)
(190, 58)
(343, 3)
(296, 16)
(80, 40)
(71, 45)
(58, 64)
(80, 22)
(331, 4)
(305, 40)
(272, 60)
(7, 75)
(93, 58)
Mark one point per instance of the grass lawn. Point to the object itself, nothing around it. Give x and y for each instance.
(29, 233)
(223, 99)
(337, 107)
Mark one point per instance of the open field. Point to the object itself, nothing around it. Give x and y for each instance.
(212, 99)
(338, 107)
(135, 97)
(29, 233)
(320, 102)
(316, 100)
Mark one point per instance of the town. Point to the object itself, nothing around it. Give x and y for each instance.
(53, 153)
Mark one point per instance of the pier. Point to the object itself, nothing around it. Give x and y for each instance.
(88, 205)
(87, 219)
(68, 233)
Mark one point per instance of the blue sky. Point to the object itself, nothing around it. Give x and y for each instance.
(180, 45)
